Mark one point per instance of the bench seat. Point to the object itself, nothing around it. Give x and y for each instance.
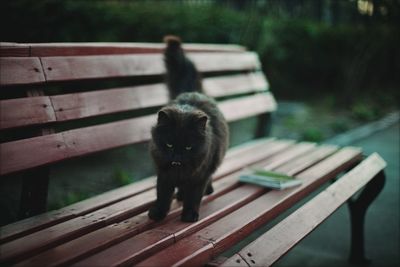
(113, 228)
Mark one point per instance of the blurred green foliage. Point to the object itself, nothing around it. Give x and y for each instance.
(69, 198)
(312, 134)
(302, 57)
(122, 177)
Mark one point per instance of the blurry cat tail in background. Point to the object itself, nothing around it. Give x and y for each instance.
(182, 75)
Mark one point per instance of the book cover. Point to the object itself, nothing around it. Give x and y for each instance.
(269, 179)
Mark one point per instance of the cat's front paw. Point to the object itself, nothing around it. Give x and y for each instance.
(156, 214)
(190, 216)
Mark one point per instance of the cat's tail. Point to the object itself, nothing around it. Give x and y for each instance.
(182, 75)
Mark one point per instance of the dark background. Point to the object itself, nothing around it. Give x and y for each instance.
(345, 49)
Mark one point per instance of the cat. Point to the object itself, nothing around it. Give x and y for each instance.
(189, 140)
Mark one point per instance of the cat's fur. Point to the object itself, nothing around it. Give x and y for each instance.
(189, 140)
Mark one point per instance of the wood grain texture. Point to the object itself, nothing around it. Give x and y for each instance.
(282, 237)
(248, 106)
(20, 70)
(246, 153)
(73, 143)
(84, 141)
(8, 49)
(76, 49)
(298, 164)
(235, 84)
(115, 66)
(48, 149)
(95, 240)
(191, 251)
(234, 227)
(88, 104)
(124, 253)
(36, 242)
(25, 111)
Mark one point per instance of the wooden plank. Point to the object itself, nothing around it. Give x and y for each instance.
(20, 70)
(235, 261)
(191, 251)
(48, 149)
(92, 139)
(236, 109)
(216, 62)
(234, 227)
(298, 164)
(98, 48)
(92, 67)
(14, 50)
(265, 149)
(235, 84)
(25, 111)
(88, 104)
(282, 237)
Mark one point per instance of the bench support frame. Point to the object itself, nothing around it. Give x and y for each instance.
(358, 208)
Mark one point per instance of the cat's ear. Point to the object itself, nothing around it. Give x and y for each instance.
(163, 117)
(201, 122)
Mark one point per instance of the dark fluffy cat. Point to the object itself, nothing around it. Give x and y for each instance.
(189, 140)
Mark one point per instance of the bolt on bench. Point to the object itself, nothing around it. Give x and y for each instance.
(38, 129)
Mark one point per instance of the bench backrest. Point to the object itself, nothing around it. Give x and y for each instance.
(61, 101)
(46, 67)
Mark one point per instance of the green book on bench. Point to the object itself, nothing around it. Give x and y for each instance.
(268, 179)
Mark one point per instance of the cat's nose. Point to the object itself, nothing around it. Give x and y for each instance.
(176, 163)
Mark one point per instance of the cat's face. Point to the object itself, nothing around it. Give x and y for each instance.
(180, 136)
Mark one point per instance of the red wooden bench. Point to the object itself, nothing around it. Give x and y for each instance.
(113, 228)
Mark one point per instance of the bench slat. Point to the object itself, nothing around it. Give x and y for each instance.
(234, 227)
(244, 107)
(75, 49)
(282, 237)
(20, 70)
(235, 84)
(83, 105)
(26, 111)
(299, 163)
(116, 66)
(48, 148)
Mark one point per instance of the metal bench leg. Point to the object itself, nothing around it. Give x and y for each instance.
(358, 208)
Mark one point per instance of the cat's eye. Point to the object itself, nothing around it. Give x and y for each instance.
(188, 148)
(169, 145)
